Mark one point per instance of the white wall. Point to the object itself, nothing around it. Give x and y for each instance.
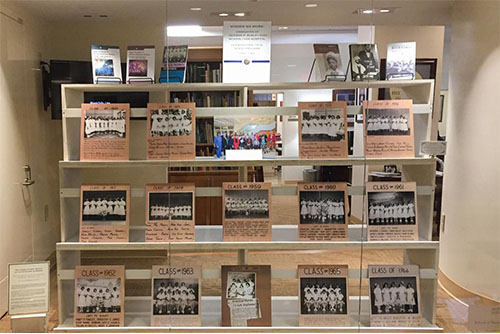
(470, 241)
(30, 216)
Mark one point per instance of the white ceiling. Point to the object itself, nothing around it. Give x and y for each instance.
(280, 12)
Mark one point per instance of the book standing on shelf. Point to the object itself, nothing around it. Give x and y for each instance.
(170, 212)
(388, 129)
(392, 211)
(323, 211)
(322, 130)
(171, 131)
(323, 296)
(104, 132)
(246, 296)
(364, 62)
(99, 296)
(401, 60)
(176, 292)
(105, 212)
(394, 296)
(328, 60)
(246, 211)
(141, 64)
(106, 64)
(173, 68)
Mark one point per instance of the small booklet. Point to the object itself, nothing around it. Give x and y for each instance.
(394, 296)
(106, 65)
(246, 296)
(173, 68)
(99, 296)
(364, 62)
(141, 64)
(401, 59)
(329, 62)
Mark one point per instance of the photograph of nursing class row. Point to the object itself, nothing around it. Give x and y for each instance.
(324, 295)
(104, 207)
(171, 206)
(322, 207)
(173, 296)
(394, 295)
(322, 125)
(104, 123)
(98, 295)
(387, 122)
(171, 122)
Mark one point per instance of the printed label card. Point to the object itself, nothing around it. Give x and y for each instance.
(176, 296)
(392, 211)
(322, 130)
(141, 64)
(105, 213)
(170, 212)
(246, 214)
(99, 296)
(104, 132)
(323, 296)
(106, 64)
(323, 211)
(394, 296)
(388, 127)
(246, 296)
(171, 131)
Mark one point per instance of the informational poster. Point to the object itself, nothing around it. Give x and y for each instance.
(176, 295)
(106, 65)
(141, 64)
(173, 67)
(401, 59)
(322, 130)
(246, 211)
(246, 296)
(392, 211)
(171, 131)
(364, 62)
(329, 62)
(323, 211)
(246, 52)
(388, 127)
(99, 296)
(323, 296)
(29, 287)
(105, 212)
(394, 296)
(105, 132)
(170, 212)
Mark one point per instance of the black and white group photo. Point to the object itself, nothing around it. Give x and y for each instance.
(99, 295)
(401, 61)
(393, 295)
(241, 285)
(391, 208)
(171, 206)
(246, 204)
(388, 122)
(105, 123)
(323, 295)
(176, 54)
(104, 207)
(173, 296)
(322, 125)
(322, 207)
(171, 122)
(364, 62)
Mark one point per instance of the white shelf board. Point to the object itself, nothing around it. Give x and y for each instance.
(220, 162)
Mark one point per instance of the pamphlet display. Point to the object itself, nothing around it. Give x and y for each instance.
(104, 215)
(394, 296)
(388, 127)
(246, 296)
(104, 132)
(170, 212)
(246, 214)
(323, 211)
(364, 62)
(141, 64)
(246, 51)
(176, 295)
(392, 211)
(106, 65)
(401, 59)
(171, 131)
(323, 130)
(29, 288)
(329, 62)
(173, 67)
(323, 296)
(99, 296)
